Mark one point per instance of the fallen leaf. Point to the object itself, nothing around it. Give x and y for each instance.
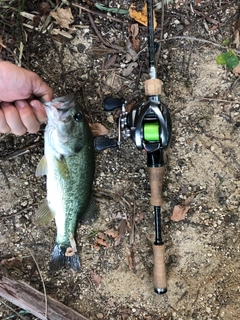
(101, 240)
(179, 213)
(141, 16)
(122, 231)
(112, 233)
(98, 129)
(127, 71)
(139, 216)
(96, 278)
(12, 262)
(44, 8)
(236, 70)
(237, 38)
(63, 17)
(131, 260)
(134, 41)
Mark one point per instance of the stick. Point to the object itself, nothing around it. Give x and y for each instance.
(24, 296)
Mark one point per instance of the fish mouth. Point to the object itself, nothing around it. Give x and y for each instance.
(59, 109)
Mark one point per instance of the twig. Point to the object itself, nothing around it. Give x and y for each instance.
(97, 13)
(113, 46)
(132, 231)
(21, 151)
(218, 100)
(44, 288)
(161, 34)
(110, 194)
(199, 40)
(14, 55)
(18, 314)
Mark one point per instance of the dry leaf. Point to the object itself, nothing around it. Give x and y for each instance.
(122, 231)
(101, 240)
(131, 259)
(237, 36)
(12, 262)
(98, 129)
(127, 71)
(236, 70)
(112, 233)
(63, 17)
(179, 213)
(96, 278)
(134, 41)
(139, 216)
(141, 16)
(44, 8)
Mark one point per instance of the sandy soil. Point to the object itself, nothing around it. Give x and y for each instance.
(202, 170)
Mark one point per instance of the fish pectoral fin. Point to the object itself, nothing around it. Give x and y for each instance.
(42, 167)
(63, 168)
(43, 215)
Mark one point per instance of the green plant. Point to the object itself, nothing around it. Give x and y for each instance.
(229, 59)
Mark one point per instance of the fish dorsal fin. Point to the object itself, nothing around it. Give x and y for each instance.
(43, 215)
(42, 167)
(63, 168)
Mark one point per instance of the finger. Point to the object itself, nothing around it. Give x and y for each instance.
(13, 119)
(41, 89)
(4, 127)
(27, 116)
(39, 111)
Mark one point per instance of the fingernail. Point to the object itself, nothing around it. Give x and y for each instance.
(35, 104)
(20, 103)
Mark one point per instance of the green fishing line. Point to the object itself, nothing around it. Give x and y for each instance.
(151, 131)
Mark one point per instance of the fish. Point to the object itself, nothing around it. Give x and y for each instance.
(69, 165)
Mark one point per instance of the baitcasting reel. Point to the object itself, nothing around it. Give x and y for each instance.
(148, 125)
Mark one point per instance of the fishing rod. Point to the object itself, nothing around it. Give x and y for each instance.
(149, 125)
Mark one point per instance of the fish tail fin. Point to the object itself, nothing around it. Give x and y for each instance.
(64, 257)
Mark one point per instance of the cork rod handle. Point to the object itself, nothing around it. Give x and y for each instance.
(156, 183)
(159, 269)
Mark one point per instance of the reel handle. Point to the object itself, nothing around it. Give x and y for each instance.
(110, 103)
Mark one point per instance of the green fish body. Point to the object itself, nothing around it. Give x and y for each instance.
(69, 165)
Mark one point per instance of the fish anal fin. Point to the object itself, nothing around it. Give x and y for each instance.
(43, 215)
(42, 167)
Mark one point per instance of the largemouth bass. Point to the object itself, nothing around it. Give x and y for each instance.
(69, 165)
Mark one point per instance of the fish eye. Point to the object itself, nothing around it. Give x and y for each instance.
(77, 117)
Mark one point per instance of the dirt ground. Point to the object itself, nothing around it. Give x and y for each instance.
(202, 170)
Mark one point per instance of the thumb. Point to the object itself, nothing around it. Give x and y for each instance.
(41, 89)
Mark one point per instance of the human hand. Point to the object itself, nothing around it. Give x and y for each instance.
(20, 112)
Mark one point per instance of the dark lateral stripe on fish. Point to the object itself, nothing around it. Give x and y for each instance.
(59, 260)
